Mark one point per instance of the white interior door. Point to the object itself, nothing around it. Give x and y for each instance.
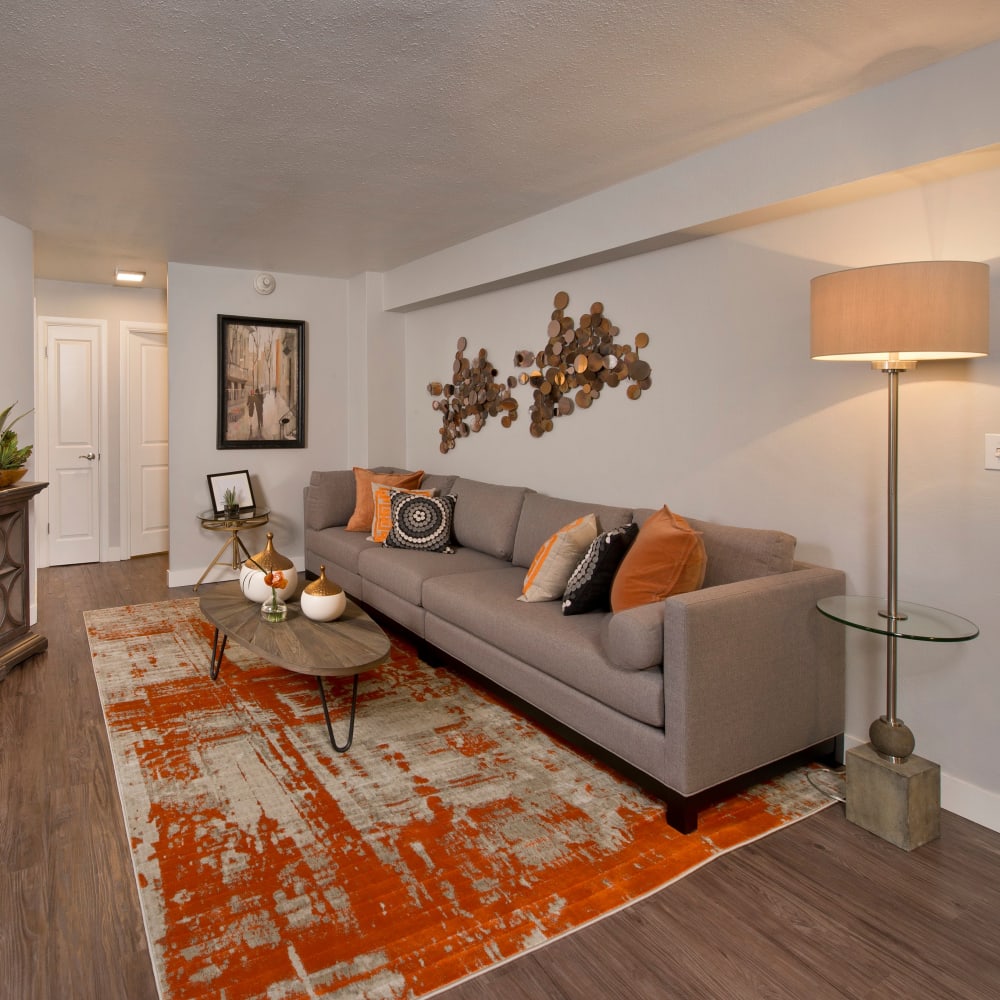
(147, 444)
(73, 355)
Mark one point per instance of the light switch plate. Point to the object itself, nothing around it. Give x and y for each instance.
(993, 451)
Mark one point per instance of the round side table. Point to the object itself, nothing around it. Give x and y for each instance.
(253, 517)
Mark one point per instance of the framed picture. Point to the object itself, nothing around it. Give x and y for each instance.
(261, 383)
(238, 482)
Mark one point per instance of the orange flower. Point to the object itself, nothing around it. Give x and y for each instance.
(276, 580)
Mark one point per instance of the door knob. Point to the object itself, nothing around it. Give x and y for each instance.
(90, 456)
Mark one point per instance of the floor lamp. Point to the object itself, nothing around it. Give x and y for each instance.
(892, 316)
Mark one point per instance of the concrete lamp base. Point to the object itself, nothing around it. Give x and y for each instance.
(899, 802)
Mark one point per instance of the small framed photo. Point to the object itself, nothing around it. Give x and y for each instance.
(239, 482)
(261, 383)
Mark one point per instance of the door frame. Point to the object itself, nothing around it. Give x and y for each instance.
(41, 452)
(126, 329)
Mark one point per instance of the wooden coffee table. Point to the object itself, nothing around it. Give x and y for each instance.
(342, 648)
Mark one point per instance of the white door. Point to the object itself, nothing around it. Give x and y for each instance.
(73, 356)
(147, 443)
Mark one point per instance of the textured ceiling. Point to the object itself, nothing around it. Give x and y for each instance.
(337, 136)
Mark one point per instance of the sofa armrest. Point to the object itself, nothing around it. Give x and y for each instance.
(752, 672)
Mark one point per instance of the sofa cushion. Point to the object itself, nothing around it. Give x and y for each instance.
(403, 572)
(340, 547)
(555, 561)
(486, 516)
(542, 516)
(569, 649)
(589, 585)
(442, 484)
(364, 509)
(633, 639)
(667, 557)
(744, 553)
(736, 553)
(330, 499)
(421, 523)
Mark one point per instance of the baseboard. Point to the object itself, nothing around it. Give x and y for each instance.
(219, 573)
(979, 805)
(189, 577)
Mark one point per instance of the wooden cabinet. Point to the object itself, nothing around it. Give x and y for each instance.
(18, 640)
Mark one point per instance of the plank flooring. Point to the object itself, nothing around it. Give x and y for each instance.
(820, 910)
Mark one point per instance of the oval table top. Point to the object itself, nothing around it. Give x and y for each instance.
(351, 644)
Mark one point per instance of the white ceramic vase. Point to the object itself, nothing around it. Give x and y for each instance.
(256, 568)
(322, 600)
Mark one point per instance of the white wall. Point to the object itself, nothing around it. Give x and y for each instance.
(197, 296)
(740, 426)
(113, 304)
(376, 358)
(17, 373)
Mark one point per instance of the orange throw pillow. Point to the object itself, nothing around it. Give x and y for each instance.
(382, 501)
(666, 558)
(364, 506)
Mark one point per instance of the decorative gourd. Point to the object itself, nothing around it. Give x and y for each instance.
(323, 600)
(257, 567)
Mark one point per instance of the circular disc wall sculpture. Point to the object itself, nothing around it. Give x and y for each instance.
(579, 362)
(471, 397)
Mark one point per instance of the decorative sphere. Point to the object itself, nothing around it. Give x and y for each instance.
(892, 740)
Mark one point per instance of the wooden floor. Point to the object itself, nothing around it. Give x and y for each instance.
(822, 909)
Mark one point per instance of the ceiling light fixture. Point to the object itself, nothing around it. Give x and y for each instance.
(132, 277)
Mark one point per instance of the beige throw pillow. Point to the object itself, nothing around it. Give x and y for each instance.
(555, 561)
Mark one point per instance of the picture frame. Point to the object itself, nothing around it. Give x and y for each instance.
(261, 383)
(219, 482)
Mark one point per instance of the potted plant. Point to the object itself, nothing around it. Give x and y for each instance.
(12, 457)
(230, 503)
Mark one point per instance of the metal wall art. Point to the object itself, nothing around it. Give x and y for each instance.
(471, 397)
(580, 361)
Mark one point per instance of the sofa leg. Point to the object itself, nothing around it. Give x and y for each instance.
(682, 813)
(831, 752)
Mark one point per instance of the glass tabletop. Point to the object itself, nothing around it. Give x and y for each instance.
(246, 514)
(921, 622)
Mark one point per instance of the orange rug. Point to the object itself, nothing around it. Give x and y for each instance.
(453, 836)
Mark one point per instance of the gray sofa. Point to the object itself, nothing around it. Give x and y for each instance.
(692, 696)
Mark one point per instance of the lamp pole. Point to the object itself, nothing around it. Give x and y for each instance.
(889, 735)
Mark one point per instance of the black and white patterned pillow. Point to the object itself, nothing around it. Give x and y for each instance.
(589, 586)
(421, 523)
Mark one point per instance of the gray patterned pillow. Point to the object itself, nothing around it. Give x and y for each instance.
(589, 586)
(421, 523)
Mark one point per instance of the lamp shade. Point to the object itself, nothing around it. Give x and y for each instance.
(917, 311)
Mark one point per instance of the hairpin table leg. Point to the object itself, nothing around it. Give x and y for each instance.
(217, 652)
(326, 715)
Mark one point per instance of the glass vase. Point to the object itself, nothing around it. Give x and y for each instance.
(274, 609)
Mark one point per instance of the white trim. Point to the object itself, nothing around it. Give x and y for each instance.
(126, 328)
(104, 442)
